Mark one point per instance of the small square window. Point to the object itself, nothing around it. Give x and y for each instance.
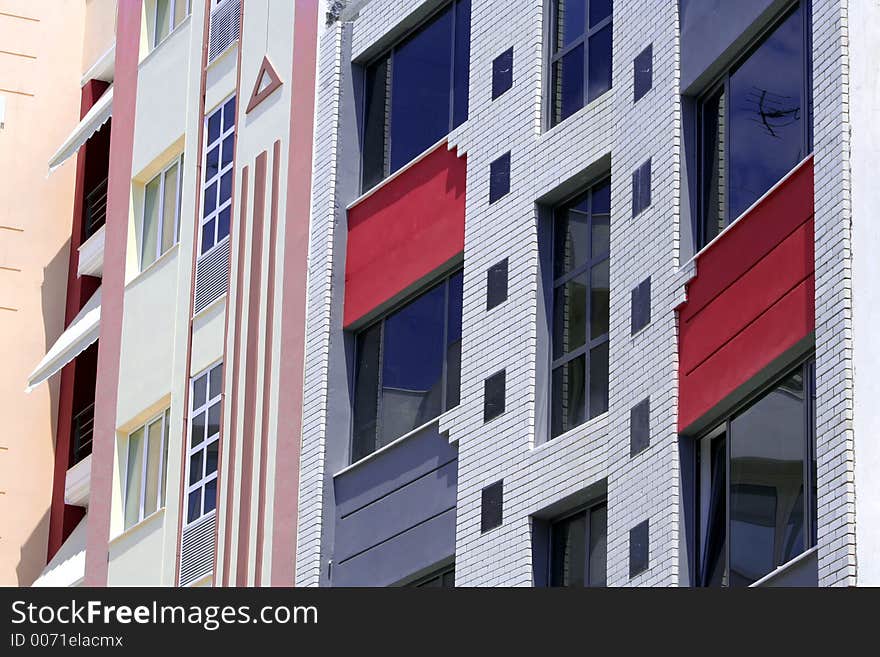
(493, 401)
(638, 549)
(640, 306)
(502, 73)
(639, 427)
(499, 177)
(643, 72)
(491, 506)
(641, 191)
(496, 285)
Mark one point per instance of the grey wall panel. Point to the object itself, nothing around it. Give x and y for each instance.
(427, 543)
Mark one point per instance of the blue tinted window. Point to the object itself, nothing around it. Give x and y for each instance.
(643, 73)
(502, 73)
(754, 128)
(580, 60)
(217, 186)
(428, 93)
(499, 178)
(407, 368)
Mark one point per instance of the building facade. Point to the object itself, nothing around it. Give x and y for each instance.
(446, 292)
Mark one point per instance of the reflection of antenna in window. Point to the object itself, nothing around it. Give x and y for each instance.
(772, 111)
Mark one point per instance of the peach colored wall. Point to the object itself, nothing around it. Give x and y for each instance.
(100, 30)
(39, 82)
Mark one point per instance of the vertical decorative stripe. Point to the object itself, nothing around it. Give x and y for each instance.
(236, 360)
(267, 360)
(250, 374)
(293, 293)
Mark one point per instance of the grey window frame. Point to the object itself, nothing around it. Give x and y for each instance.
(162, 176)
(171, 24)
(807, 366)
(721, 83)
(586, 509)
(164, 417)
(388, 55)
(553, 57)
(444, 281)
(586, 267)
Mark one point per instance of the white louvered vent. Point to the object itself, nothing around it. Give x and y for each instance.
(197, 550)
(225, 26)
(212, 276)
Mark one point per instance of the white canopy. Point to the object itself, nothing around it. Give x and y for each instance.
(77, 337)
(68, 566)
(89, 125)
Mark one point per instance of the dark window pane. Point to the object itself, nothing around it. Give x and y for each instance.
(598, 380)
(195, 467)
(570, 316)
(194, 505)
(600, 63)
(598, 545)
(638, 549)
(767, 115)
(568, 396)
(767, 446)
(714, 536)
(493, 399)
(502, 73)
(207, 235)
(491, 507)
(449, 579)
(366, 392)
(643, 72)
(462, 59)
(211, 457)
(375, 123)
(568, 85)
(226, 187)
(210, 495)
(453, 342)
(198, 429)
(200, 386)
(212, 163)
(496, 285)
(223, 222)
(229, 114)
(599, 300)
(214, 420)
(570, 21)
(568, 556)
(599, 11)
(228, 149)
(422, 77)
(216, 375)
(601, 200)
(712, 191)
(639, 427)
(210, 199)
(214, 127)
(412, 365)
(571, 237)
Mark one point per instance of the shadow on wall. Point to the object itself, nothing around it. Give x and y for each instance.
(53, 294)
(29, 568)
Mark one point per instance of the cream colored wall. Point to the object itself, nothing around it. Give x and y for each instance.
(100, 30)
(39, 83)
(135, 556)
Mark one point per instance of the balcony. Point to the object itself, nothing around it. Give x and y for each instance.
(91, 251)
(77, 483)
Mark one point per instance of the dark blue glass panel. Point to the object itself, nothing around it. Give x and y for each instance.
(366, 392)
(569, 398)
(375, 123)
(568, 556)
(207, 235)
(502, 73)
(194, 505)
(216, 375)
(461, 62)
(210, 495)
(228, 148)
(570, 21)
(200, 387)
(412, 368)
(767, 113)
(598, 380)
(212, 163)
(229, 114)
(568, 85)
(571, 237)
(211, 457)
(195, 467)
(600, 63)
(599, 11)
(225, 187)
(223, 223)
(453, 341)
(420, 96)
(210, 199)
(643, 73)
(499, 178)
(214, 127)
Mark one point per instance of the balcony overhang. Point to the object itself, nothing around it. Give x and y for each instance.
(96, 117)
(68, 566)
(76, 338)
(77, 484)
(91, 255)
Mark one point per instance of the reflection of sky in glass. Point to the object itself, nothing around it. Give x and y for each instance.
(766, 115)
(413, 351)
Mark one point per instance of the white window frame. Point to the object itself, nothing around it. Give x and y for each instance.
(164, 417)
(221, 169)
(171, 25)
(162, 176)
(203, 445)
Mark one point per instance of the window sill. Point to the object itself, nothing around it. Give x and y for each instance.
(152, 266)
(204, 255)
(203, 518)
(773, 574)
(586, 109)
(137, 526)
(394, 443)
(168, 37)
(406, 167)
(581, 431)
